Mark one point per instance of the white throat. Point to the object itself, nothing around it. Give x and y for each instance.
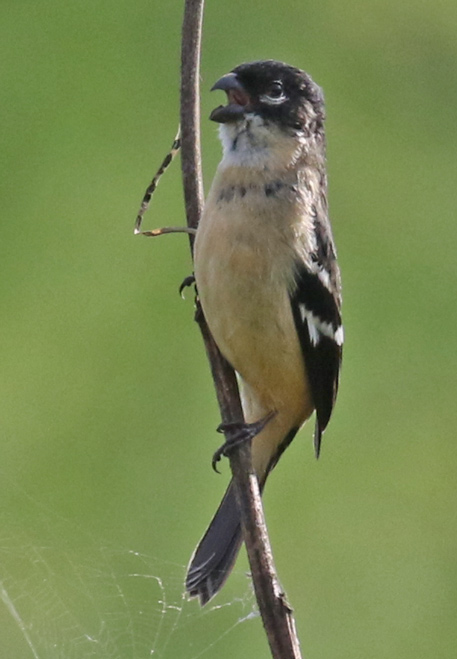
(253, 143)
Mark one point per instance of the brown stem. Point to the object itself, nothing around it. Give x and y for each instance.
(191, 164)
(276, 614)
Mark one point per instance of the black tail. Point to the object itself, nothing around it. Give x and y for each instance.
(216, 553)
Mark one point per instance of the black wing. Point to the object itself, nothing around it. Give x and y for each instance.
(316, 307)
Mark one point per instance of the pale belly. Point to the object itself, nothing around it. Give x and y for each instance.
(247, 307)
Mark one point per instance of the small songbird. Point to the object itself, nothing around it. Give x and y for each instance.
(267, 277)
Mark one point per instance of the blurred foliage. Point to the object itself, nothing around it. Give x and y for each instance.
(107, 407)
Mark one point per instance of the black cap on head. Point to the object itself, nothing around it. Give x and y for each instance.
(277, 91)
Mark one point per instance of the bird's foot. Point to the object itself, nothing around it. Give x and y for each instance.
(238, 433)
(188, 281)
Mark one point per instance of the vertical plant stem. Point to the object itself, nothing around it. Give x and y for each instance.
(276, 614)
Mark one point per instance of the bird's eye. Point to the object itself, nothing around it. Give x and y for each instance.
(275, 93)
(275, 90)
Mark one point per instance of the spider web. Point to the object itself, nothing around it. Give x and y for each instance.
(70, 597)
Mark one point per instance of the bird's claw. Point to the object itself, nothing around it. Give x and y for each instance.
(188, 281)
(237, 433)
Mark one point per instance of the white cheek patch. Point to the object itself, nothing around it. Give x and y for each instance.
(318, 327)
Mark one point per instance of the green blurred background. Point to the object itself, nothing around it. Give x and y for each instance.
(107, 407)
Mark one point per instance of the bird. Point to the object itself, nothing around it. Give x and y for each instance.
(267, 277)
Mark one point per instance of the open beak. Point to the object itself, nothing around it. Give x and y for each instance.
(238, 100)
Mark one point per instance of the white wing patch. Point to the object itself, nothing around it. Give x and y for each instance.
(325, 278)
(338, 337)
(318, 327)
(322, 274)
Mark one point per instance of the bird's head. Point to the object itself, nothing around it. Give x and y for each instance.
(267, 102)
